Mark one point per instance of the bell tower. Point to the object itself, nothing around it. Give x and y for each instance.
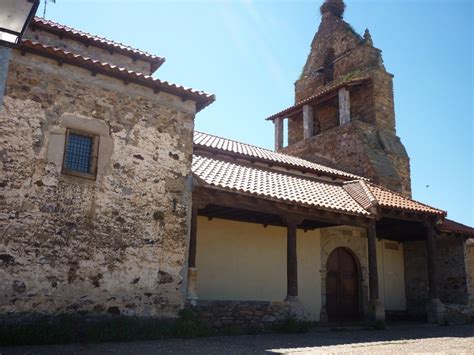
(344, 109)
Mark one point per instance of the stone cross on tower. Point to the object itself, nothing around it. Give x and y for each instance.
(344, 109)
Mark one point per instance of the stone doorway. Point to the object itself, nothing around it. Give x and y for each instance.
(342, 286)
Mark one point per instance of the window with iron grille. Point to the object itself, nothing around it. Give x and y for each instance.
(80, 154)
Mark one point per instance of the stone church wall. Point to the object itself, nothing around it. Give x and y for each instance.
(116, 245)
(451, 270)
(469, 260)
(416, 277)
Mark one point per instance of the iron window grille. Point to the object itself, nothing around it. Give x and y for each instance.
(80, 154)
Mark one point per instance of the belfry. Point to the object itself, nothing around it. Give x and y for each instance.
(344, 108)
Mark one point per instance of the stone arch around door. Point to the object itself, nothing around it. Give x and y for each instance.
(354, 241)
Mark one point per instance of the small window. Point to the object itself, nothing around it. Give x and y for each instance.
(80, 154)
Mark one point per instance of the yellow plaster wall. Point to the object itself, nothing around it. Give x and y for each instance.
(245, 261)
(391, 275)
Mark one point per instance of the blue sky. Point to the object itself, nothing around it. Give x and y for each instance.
(249, 53)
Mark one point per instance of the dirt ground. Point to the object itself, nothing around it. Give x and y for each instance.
(417, 339)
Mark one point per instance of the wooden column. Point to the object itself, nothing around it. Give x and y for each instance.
(291, 261)
(344, 106)
(192, 271)
(432, 268)
(278, 133)
(308, 121)
(373, 272)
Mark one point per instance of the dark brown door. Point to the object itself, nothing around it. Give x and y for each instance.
(342, 291)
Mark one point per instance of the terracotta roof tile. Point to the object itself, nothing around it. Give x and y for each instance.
(360, 192)
(391, 199)
(274, 185)
(201, 98)
(250, 151)
(287, 187)
(320, 94)
(450, 226)
(156, 61)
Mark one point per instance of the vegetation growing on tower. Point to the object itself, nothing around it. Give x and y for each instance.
(335, 7)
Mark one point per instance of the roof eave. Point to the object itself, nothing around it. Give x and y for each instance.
(329, 91)
(203, 184)
(200, 98)
(88, 39)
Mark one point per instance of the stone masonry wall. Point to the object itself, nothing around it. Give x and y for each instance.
(451, 270)
(416, 277)
(360, 148)
(116, 245)
(242, 314)
(469, 260)
(355, 240)
(371, 148)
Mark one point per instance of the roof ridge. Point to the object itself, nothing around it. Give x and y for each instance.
(408, 198)
(298, 162)
(150, 57)
(250, 145)
(265, 169)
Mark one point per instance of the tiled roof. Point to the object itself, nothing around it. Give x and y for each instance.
(360, 191)
(356, 196)
(450, 226)
(201, 98)
(250, 151)
(320, 94)
(51, 26)
(391, 199)
(274, 185)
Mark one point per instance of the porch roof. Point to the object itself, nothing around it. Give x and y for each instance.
(450, 226)
(275, 185)
(239, 174)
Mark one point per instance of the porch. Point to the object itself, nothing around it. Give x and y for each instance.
(259, 261)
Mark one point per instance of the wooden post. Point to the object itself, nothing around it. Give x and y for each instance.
(291, 261)
(373, 273)
(278, 133)
(344, 106)
(432, 269)
(308, 122)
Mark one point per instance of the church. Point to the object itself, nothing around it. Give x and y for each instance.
(112, 204)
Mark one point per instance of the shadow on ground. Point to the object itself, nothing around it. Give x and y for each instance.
(269, 343)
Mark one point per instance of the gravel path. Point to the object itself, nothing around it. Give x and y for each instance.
(421, 339)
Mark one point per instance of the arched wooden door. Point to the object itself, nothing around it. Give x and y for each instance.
(342, 286)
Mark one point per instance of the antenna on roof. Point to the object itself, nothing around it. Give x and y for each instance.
(46, 5)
